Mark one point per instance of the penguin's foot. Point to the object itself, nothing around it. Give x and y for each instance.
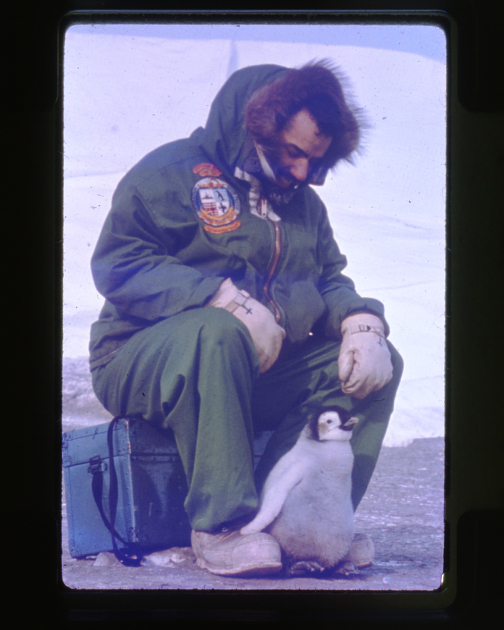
(361, 552)
(304, 566)
(345, 568)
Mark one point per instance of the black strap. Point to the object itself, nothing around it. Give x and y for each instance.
(130, 555)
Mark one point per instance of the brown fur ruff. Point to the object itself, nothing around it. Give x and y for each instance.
(317, 88)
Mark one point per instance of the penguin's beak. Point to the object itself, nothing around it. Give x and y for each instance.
(350, 422)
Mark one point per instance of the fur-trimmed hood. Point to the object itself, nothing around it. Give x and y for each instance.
(225, 138)
(224, 134)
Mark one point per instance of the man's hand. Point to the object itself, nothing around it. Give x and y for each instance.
(266, 334)
(364, 361)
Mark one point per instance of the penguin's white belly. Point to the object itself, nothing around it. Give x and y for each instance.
(317, 521)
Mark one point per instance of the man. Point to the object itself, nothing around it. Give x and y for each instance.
(226, 311)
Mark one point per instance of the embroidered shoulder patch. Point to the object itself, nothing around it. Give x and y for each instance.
(206, 169)
(217, 205)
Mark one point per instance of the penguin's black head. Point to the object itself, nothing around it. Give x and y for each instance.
(312, 426)
(345, 417)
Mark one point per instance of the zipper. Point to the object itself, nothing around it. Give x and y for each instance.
(272, 269)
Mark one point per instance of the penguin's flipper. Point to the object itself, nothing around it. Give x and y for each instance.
(286, 473)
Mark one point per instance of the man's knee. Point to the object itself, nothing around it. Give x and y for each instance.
(201, 326)
(223, 329)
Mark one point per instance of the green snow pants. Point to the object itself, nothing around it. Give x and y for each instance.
(198, 374)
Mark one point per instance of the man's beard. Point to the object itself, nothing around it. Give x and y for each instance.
(266, 169)
(278, 195)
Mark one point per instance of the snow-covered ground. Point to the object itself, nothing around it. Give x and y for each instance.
(127, 91)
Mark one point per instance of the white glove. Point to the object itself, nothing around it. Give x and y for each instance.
(364, 361)
(266, 334)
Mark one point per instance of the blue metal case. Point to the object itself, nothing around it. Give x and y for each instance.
(151, 487)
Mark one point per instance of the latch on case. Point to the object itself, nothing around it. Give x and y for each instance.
(96, 465)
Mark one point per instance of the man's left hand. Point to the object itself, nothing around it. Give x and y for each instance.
(364, 362)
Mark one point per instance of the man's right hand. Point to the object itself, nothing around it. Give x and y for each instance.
(266, 334)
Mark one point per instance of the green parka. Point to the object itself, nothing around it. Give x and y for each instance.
(181, 222)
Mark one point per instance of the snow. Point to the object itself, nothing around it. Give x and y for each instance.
(125, 94)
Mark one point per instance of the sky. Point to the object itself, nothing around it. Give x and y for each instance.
(401, 37)
(130, 88)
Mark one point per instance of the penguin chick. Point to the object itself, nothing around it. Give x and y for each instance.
(306, 500)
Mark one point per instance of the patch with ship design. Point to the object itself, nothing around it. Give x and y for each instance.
(217, 205)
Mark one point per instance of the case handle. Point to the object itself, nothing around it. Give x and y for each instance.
(130, 555)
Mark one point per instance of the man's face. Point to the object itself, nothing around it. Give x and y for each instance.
(301, 150)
